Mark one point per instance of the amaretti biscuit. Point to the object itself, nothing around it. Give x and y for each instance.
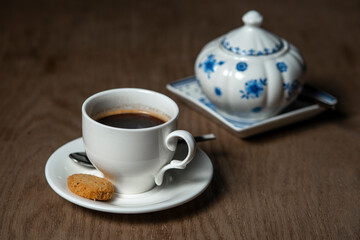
(91, 187)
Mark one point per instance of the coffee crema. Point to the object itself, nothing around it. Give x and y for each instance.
(130, 119)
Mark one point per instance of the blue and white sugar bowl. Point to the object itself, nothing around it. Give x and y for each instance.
(249, 73)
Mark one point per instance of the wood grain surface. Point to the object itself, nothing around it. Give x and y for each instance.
(298, 182)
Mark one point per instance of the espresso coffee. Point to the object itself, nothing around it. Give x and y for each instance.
(130, 119)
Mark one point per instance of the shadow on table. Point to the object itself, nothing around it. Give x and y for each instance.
(203, 202)
(326, 117)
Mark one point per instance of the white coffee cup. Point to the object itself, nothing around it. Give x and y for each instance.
(133, 159)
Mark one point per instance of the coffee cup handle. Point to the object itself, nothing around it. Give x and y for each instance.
(171, 143)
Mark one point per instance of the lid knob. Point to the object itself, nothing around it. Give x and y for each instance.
(252, 18)
(250, 39)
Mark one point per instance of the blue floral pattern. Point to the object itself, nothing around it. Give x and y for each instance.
(218, 91)
(291, 89)
(209, 64)
(256, 109)
(254, 88)
(250, 52)
(281, 66)
(241, 66)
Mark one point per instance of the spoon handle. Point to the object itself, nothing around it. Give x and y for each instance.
(318, 96)
(202, 138)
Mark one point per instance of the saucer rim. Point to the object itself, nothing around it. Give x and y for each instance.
(60, 154)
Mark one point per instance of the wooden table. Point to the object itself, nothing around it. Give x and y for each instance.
(298, 182)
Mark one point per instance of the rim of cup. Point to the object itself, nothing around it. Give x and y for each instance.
(173, 118)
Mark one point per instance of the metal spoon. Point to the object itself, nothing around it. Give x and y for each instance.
(82, 159)
(318, 96)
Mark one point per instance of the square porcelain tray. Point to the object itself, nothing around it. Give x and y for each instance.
(189, 90)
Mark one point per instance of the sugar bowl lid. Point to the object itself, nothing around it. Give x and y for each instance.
(250, 39)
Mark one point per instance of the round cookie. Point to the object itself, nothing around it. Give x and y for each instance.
(91, 187)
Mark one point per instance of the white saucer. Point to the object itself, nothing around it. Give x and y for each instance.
(189, 90)
(180, 186)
